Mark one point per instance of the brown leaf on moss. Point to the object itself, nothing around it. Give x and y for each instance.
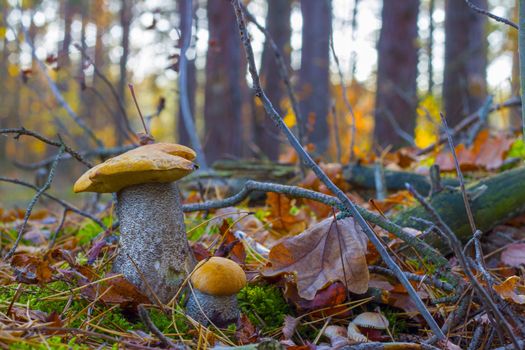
(315, 257)
(230, 245)
(246, 332)
(31, 269)
(115, 291)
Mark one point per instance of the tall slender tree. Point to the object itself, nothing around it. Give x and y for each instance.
(125, 23)
(225, 83)
(278, 25)
(182, 134)
(396, 98)
(314, 72)
(464, 84)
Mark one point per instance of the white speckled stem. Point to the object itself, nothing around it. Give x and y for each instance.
(221, 310)
(153, 235)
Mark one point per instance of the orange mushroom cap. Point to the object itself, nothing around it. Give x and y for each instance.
(218, 276)
(158, 162)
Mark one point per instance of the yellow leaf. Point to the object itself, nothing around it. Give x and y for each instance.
(289, 118)
(507, 290)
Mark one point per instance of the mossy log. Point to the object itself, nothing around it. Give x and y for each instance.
(493, 200)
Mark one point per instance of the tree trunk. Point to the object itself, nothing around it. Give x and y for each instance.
(182, 133)
(125, 22)
(314, 72)
(396, 97)
(278, 25)
(225, 81)
(464, 85)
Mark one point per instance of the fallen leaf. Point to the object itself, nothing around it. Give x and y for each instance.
(514, 255)
(31, 269)
(508, 290)
(290, 324)
(246, 332)
(115, 291)
(314, 256)
(281, 217)
(230, 245)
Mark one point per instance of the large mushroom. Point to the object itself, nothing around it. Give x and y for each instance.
(154, 253)
(215, 282)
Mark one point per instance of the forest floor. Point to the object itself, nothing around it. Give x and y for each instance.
(58, 290)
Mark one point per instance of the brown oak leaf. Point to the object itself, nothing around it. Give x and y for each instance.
(315, 257)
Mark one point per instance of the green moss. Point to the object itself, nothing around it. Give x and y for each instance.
(264, 305)
(54, 342)
(90, 230)
(397, 324)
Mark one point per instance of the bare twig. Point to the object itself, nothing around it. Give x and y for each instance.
(58, 95)
(347, 204)
(23, 131)
(283, 72)
(468, 121)
(183, 86)
(457, 248)
(430, 280)
(460, 176)
(130, 133)
(491, 15)
(37, 195)
(58, 229)
(132, 90)
(144, 316)
(63, 203)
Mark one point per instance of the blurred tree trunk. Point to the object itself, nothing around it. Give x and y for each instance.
(353, 51)
(464, 85)
(94, 107)
(63, 53)
(314, 72)
(192, 77)
(225, 81)
(125, 23)
(278, 24)
(396, 96)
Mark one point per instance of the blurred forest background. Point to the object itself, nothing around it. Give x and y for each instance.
(65, 66)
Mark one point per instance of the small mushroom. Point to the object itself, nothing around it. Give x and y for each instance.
(216, 283)
(368, 325)
(154, 252)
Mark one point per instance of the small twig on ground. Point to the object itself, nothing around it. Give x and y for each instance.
(183, 86)
(132, 90)
(63, 203)
(144, 316)
(470, 217)
(23, 131)
(37, 195)
(347, 204)
(430, 280)
(476, 337)
(491, 15)
(58, 229)
(457, 248)
(482, 122)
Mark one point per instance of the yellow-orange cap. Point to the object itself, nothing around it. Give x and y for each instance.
(218, 276)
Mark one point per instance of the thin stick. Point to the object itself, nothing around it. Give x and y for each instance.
(63, 203)
(23, 131)
(348, 205)
(490, 15)
(138, 108)
(58, 229)
(460, 175)
(144, 316)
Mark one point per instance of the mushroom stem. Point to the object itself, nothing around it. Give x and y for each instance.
(153, 239)
(221, 310)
